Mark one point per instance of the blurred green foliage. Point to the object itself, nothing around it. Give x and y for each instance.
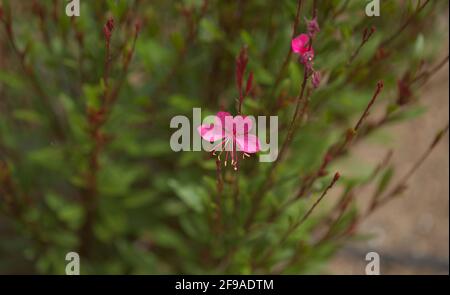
(154, 210)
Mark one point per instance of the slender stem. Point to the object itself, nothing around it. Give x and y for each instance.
(107, 66)
(188, 42)
(34, 81)
(260, 193)
(219, 183)
(403, 26)
(401, 186)
(427, 74)
(388, 40)
(366, 111)
(348, 196)
(366, 36)
(341, 9)
(301, 221)
(340, 147)
(333, 152)
(305, 217)
(289, 53)
(97, 119)
(16, 206)
(115, 92)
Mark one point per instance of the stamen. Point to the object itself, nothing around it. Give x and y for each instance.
(220, 143)
(224, 143)
(232, 156)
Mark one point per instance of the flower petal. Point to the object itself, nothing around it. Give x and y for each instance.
(299, 43)
(224, 120)
(248, 143)
(221, 116)
(242, 124)
(211, 132)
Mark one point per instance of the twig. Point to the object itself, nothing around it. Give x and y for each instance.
(366, 111)
(33, 79)
(301, 221)
(403, 26)
(368, 32)
(341, 10)
(432, 71)
(398, 189)
(401, 186)
(219, 183)
(339, 148)
(188, 41)
(97, 118)
(289, 53)
(260, 193)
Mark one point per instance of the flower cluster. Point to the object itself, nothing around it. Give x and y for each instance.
(302, 46)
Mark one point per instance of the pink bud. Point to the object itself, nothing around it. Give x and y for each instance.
(108, 28)
(336, 176)
(316, 77)
(380, 85)
(367, 33)
(404, 91)
(107, 32)
(110, 23)
(312, 27)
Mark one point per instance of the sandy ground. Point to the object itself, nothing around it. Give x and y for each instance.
(411, 232)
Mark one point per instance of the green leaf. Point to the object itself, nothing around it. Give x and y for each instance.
(408, 114)
(27, 115)
(92, 95)
(263, 76)
(209, 31)
(11, 80)
(384, 181)
(50, 157)
(419, 46)
(192, 196)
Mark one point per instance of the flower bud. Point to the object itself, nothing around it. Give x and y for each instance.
(316, 77)
(108, 28)
(312, 27)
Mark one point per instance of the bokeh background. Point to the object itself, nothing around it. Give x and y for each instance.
(109, 187)
(412, 235)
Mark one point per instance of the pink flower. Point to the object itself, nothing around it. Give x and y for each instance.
(232, 135)
(301, 46)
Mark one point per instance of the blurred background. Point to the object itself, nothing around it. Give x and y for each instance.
(412, 234)
(85, 163)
